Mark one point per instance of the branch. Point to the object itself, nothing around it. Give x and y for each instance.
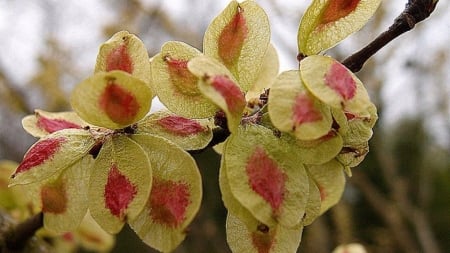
(387, 210)
(415, 11)
(18, 236)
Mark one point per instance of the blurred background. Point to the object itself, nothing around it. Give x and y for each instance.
(398, 199)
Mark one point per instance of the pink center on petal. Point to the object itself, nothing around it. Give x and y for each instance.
(119, 192)
(263, 241)
(181, 77)
(68, 236)
(323, 192)
(54, 198)
(340, 80)
(337, 9)
(232, 37)
(168, 202)
(39, 153)
(120, 105)
(180, 126)
(304, 110)
(119, 59)
(266, 178)
(234, 98)
(53, 125)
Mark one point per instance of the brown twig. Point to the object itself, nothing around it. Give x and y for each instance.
(18, 236)
(415, 11)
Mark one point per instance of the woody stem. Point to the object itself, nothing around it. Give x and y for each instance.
(18, 235)
(415, 11)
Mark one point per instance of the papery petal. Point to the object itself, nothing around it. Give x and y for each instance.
(43, 123)
(327, 22)
(175, 196)
(120, 183)
(265, 177)
(239, 37)
(189, 134)
(293, 109)
(260, 238)
(111, 99)
(52, 154)
(176, 86)
(335, 85)
(125, 52)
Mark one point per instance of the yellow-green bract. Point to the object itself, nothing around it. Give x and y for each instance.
(120, 183)
(327, 22)
(112, 99)
(175, 197)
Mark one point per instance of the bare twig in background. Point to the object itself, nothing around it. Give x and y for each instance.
(16, 238)
(414, 12)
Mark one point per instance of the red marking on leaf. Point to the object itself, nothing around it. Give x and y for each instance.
(304, 110)
(328, 136)
(181, 126)
(119, 59)
(349, 116)
(68, 237)
(263, 241)
(168, 202)
(53, 125)
(339, 79)
(181, 77)
(337, 9)
(119, 192)
(265, 178)
(231, 39)
(234, 98)
(54, 198)
(39, 153)
(323, 193)
(119, 104)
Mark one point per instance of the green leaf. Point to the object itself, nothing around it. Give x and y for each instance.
(176, 87)
(355, 130)
(126, 52)
(63, 198)
(51, 154)
(239, 37)
(42, 123)
(330, 181)
(111, 99)
(120, 183)
(260, 237)
(218, 85)
(318, 151)
(352, 156)
(265, 177)
(293, 109)
(335, 85)
(175, 196)
(327, 22)
(231, 203)
(92, 237)
(189, 134)
(267, 74)
(313, 205)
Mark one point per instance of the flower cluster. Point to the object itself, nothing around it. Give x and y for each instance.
(292, 136)
(109, 158)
